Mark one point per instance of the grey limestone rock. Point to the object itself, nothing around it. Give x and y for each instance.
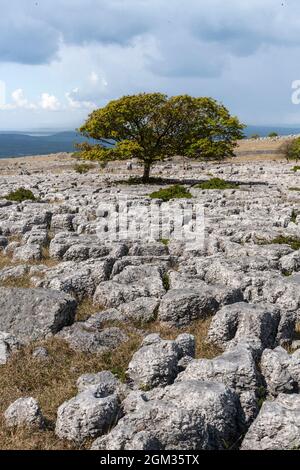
(277, 426)
(32, 314)
(24, 412)
(89, 414)
(179, 307)
(254, 324)
(281, 371)
(81, 337)
(185, 416)
(156, 362)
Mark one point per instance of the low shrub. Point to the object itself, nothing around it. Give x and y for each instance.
(20, 195)
(217, 183)
(173, 192)
(82, 168)
(296, 168)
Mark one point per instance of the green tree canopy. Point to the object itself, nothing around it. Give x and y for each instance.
(153, 126)
(291, 149)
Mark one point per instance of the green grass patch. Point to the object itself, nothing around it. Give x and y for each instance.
(293, 242)
(134, 180)
(20, 195)
(294, 189)
(287, 273)
(172, 192)
(296, 168)
(165, 241)
(217, 183)
(166, 281)
(294, 216)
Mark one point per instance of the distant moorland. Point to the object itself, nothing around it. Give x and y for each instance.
(18, 144)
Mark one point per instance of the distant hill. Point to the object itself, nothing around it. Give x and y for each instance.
(20, 145)
(264, 131)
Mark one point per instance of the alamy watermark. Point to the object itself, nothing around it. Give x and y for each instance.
(295, 97)
(125, 218)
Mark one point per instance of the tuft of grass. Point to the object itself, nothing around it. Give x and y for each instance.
(199, 329)
(5, 261)
(165, 241)
(82, 168)
(297, 331)
(294, 189)
(20, 195)
(261, 395)
(22, 282)
(166, 281)
(86, 308)
(294, 216)
(172, 192)
(287, 273)
(296, 168)
(216, 183)
(46, 259)
(51, 384)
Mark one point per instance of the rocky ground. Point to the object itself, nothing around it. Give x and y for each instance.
(138, 345)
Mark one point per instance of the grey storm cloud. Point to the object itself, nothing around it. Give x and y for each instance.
(192, 38)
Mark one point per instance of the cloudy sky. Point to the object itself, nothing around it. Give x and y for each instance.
(61, 58)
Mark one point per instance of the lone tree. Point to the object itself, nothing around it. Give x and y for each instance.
(153, 126)
(291, 149)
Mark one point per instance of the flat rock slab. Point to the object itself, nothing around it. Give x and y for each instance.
(32, 314)
(277, 426)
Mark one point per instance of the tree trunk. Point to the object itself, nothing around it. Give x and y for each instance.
(146, 175)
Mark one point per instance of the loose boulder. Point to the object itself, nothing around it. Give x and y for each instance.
(24, 412)
(32, 314)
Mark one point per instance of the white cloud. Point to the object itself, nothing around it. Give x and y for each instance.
(94, 78)
(97, 80)
(18, 102)
(49, 102)
(75, 102)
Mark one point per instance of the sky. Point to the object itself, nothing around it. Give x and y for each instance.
(60, 59)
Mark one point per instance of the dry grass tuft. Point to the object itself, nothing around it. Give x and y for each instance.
(7, 261)
(199, 329)
(52, 382)
(46, 260)
(297, 332)
(22, 282)
(86, 308)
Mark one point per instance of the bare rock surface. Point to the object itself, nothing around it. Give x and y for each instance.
(187, 416)
(277, 426)
(66, 274)
(32, 314)
(156, 362)
(89, 414)
(24, 412)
